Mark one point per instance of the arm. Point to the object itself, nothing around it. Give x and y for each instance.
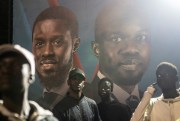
(58, 113)
(140, 110)
(96, 113)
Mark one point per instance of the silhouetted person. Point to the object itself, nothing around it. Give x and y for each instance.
(167, 106)
(55, 39)
(122, 46)
(109, 108)
(75, 106)
(17, 70)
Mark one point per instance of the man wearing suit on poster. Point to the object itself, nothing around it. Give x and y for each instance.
(122, 46)
(55, 39)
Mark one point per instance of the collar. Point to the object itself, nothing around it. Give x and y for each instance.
(62, 90)
(120, 94)
(161, 97)
(82, 96)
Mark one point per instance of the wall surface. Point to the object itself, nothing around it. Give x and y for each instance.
(165, 29)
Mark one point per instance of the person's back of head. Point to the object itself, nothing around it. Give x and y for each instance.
(17, 68)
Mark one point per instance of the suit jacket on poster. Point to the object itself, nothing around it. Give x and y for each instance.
(48, 101)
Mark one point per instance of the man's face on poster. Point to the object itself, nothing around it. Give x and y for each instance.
(124, 50)
(53, 50)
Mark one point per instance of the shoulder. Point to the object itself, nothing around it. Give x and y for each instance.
(155, 100)
(66, 99)
(152, 103)
(65, 104)
(42, 102)
(119, 106)
(39, 113)
(89, 100)
(115, 103)
(36, 107)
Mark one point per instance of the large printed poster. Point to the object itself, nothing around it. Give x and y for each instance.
(164, 28)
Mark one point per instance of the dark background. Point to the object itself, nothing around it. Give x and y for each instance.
(165, 28)
(6, 21)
